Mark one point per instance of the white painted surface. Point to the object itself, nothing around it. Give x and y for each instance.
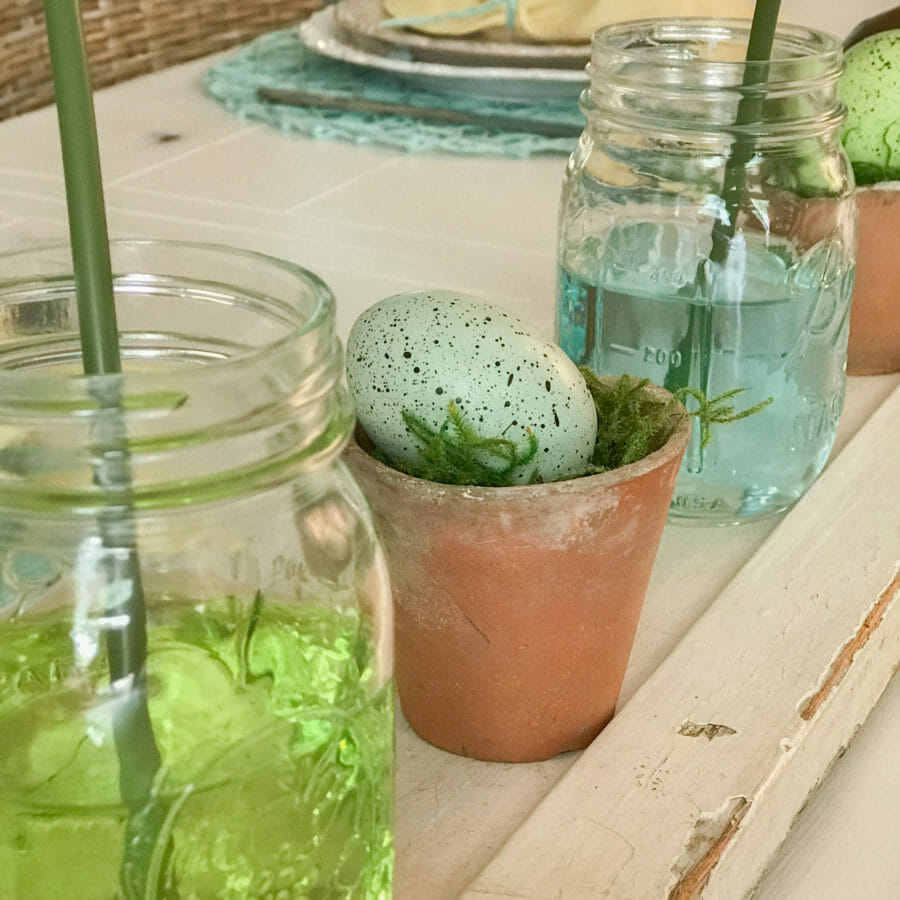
(831, 15)
(373, 222)
(711, 759)
(834, 849)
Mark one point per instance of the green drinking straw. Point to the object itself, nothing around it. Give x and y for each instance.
(139, 759)
(696, 348)
(749, 112)
(84, 188)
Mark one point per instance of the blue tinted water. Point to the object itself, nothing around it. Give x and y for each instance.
(772, 324)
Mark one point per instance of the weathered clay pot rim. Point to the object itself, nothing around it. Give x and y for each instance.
(674, 445)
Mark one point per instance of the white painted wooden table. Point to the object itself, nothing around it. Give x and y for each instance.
(649, 810)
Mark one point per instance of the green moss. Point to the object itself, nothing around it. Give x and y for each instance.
(631, 424)
(717, 411)
(870, 173)
(457, 454)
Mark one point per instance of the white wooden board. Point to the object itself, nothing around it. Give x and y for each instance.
(693, 786)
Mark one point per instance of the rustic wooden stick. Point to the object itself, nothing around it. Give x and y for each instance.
(439, 115)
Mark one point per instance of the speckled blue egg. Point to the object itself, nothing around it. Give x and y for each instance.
(421, 351)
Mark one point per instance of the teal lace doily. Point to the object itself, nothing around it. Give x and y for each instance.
(280, 60)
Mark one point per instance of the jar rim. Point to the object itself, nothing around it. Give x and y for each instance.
(230, 379)
(689, 76)
(817, 46)
(320, 316)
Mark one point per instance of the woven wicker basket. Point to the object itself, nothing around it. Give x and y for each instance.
(129, 37)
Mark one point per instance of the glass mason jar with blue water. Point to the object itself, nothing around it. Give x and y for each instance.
(707, 238)
(195, 631)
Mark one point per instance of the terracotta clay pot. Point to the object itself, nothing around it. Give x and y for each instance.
(874, 347)
(516, 607)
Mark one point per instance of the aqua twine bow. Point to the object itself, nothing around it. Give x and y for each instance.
(478, 9)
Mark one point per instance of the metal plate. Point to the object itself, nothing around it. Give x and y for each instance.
(320, 33)
(361, 22)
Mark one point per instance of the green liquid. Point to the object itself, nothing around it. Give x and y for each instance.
(276, 749)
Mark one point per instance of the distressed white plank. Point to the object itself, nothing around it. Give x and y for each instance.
(772, 682)
(858, 810)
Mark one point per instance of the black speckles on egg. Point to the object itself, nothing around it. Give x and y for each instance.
(870, 87)
(415, 351)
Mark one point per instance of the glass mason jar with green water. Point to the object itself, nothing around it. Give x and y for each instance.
(195, 634)
(707, 238)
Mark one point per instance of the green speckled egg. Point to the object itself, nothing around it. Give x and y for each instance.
(870, 86)
(420, 351)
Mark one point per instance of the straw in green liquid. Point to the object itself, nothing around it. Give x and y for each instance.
(139, 758)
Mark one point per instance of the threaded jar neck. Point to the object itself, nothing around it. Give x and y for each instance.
(688, 75)
(230, 382)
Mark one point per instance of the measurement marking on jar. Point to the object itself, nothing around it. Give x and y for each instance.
(623, 348)
(673, 277)
(285, 567)
(661, 356)
(685, 501)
